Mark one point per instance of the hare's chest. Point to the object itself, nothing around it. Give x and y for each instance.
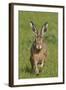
(39, 56)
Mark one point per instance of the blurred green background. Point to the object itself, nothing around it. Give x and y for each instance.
(26, 37)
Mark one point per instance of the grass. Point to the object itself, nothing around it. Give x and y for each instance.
(26, 38)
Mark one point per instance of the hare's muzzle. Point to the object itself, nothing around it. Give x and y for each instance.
(39, 47)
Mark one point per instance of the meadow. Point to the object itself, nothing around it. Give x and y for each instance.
(26, 37)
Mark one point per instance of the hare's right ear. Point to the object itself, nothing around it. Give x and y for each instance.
(44, 28)
(33, 26)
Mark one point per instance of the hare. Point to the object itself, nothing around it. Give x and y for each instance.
(38, 52)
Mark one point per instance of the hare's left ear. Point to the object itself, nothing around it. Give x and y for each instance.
(44, 28)
(33, 26)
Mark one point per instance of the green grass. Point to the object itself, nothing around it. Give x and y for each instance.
(26, 38)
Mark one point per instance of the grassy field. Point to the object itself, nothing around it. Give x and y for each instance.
(26, 37)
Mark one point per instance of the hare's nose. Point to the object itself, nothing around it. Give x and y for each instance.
(38, 46)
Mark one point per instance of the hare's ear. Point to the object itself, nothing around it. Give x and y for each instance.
(33, 26)
(44, 28)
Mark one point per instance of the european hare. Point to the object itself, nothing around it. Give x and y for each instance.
(38, 49)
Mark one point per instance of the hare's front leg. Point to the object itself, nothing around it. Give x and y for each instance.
(36, 67)
(41, 66)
